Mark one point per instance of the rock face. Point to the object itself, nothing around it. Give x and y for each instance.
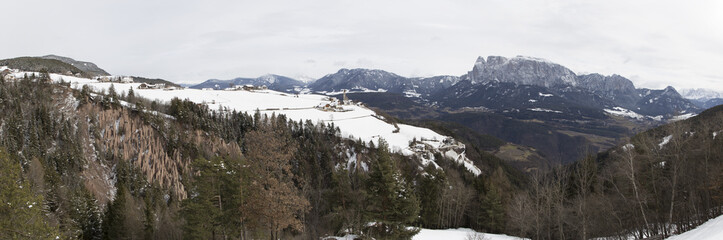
(521, 70)
(616, 88)
(87, 67)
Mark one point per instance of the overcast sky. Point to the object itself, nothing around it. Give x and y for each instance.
(654, 43)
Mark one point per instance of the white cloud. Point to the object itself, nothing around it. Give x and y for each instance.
(659, 42)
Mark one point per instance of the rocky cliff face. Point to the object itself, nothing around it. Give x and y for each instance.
(616, 88)
(521, 70)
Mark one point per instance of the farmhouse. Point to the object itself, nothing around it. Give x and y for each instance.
(151, 86)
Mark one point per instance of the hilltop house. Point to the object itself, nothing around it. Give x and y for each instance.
(118, 79)
(126, 80)
(151, 86)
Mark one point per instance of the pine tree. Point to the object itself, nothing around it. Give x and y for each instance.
(430, 192)
(345, 203)
(391, 205)
(21, 211)
(114, 223)
(493, 209)
(87, 215)
(131, 95)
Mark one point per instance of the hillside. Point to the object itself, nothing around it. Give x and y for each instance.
(661, 182)
(37, 64)
(127, 153)
(113, 160)
(87, 67)
(154, 81)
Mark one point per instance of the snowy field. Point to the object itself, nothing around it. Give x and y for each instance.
(445, 234)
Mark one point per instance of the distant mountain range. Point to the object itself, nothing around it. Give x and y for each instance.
(704, 98)
(516, 84)
(493, 75)
(275, 82)
(521, 100)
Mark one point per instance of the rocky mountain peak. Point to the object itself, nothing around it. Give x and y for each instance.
(496, 60)
(600, 83)
(671, 92)
(522, 70)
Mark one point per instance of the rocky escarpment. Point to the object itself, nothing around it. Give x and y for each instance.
(521, 70)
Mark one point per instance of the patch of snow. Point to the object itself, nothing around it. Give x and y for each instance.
(710, 230)
(682, 117)
(461, 158)
(458, 234)
(666, 140)
(347, 237)
(544, 94)
(628, 147)
(618, 111)
(543, 110)
(624, 112)
(656, 118)
(532, 100)
(411, 93)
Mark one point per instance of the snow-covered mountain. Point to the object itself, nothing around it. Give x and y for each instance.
(704, 98)
(371, 80)
(699, 93)
(274, 82)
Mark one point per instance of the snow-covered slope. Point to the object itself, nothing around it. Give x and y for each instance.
(354, 120)
(446, 234)
(711, 230)
(459, 234)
